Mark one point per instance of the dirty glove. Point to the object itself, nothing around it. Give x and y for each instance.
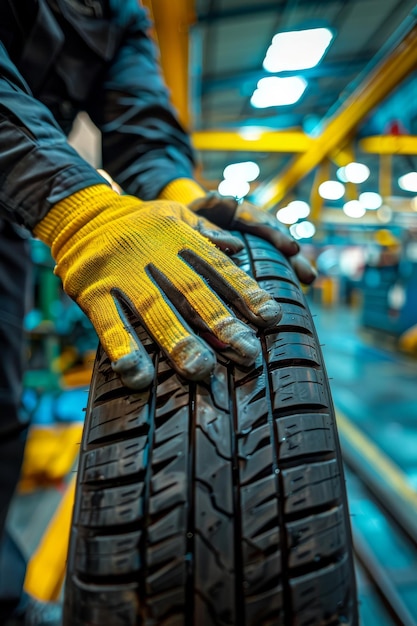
(244, 217)
(115, 253)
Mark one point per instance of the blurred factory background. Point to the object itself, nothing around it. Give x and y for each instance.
(328, 143)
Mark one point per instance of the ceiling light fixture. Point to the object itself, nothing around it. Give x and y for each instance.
(246, 170)
(297, 49)
(408, 182)
(340, 173)
(303, 230)
(234, 187)
(331, 190)
(295, 210)
(370, 200)
(356, 172)
(354, 208)
(275, 91)
(300, 208)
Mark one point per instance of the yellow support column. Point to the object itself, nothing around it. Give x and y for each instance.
(172, 20)
(385, 175)
(316, 201)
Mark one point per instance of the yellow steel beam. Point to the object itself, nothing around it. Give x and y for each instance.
(267, 141)
(172, 20)
(377, 85)
(389, 144)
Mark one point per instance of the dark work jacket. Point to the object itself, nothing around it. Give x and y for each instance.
(59, 57)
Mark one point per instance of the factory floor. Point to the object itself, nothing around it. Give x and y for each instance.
(374, 392)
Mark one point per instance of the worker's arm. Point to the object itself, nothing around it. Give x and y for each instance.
(38, 168)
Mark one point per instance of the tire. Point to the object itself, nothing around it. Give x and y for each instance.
(221, 503)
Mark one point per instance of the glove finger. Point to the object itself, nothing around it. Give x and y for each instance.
(206, 312)
(303, 268)
(128, 356)
(190, 356)
(233, 285)
(222, 239)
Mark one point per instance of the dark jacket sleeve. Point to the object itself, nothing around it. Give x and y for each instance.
(37, 166)
(144, 145)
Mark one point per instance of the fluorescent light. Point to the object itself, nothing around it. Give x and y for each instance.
(297, 50)
(295, 210)
(247, 170)
(408, 182)
(354, 208)
(286, 215)
(233, 187)
(303, 230)
(274, 91)
(370, 200)
(331, 190)
(299, 208)
(341, 175)
(356, 172)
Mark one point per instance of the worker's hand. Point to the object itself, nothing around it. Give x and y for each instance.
(159, 259)
(247, 218)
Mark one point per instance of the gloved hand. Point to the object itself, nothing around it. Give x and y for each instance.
(244, 217)
(159, 259)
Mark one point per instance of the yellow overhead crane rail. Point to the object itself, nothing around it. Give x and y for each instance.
(264, 141)
(389, 144)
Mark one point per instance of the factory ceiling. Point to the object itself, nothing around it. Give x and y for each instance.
(364, 87)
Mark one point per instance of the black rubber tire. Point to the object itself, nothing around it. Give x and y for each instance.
(221, 503)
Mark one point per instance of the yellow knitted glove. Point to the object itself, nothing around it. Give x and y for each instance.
(115, 253)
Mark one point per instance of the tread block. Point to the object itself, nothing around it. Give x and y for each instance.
(164, 552)
(253, 405)
(289, 346)
(269, 268)
(298, 386)
(214, 472)
(108, 555)
(282, 291)
(92, 604)
(316, 537)
(295, 318)
(264, 609)
(167, 524)
(322, 597)
(259, 508)
(115, 460)
(118, 415)
(162, 604)
(305, 434)
(311, 485)
(169, 576)
(215, 529)
(177, 424)
(110, 506)
(215, 584)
